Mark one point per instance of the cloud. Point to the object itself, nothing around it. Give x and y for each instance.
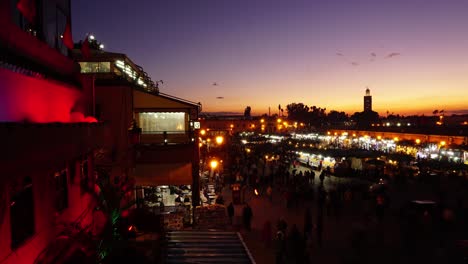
(393, 54)
(339, 54)
(354, 63)
(373, 54)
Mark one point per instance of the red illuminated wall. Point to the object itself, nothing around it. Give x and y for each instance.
(116, 110)
(35, 100)
(46, 220)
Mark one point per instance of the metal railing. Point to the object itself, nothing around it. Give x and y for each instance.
(167, 137)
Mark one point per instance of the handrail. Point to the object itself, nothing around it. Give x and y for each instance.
(159, 132)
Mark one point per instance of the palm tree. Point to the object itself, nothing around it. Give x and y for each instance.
(113, 199)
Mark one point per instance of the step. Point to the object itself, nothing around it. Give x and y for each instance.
(205, 244)
(210, 255)
(201, 241)
(207, 232)
(208, 260)
(207, 249)
(214, 236)
(202, 236)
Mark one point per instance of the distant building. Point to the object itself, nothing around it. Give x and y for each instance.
(367, 101)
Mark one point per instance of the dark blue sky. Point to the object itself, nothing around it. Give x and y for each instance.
(269, 52)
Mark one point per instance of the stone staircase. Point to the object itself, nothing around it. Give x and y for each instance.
(206, 247)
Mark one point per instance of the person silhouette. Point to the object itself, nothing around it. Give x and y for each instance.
(230, 211)
(247, 216)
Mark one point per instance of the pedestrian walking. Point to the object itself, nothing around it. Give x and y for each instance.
(280, 248)
(322, 177)
(380, 208)
(230, 211)
(269, 193)
(247, 216)
(282, 225)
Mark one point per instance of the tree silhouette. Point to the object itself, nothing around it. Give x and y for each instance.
(335, 117)
(297, 111)
(365, 119)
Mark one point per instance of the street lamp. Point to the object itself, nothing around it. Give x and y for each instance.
(214, 164)
(219, 140)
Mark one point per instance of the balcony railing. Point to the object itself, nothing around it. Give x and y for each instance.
(167, 137)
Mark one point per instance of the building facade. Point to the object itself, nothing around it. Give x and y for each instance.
(164, 150)
(49, 139)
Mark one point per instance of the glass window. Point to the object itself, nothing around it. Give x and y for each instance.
(104, 66)
(88, 67)
(61, 23)
(154, 122)
(22, 213)
(54, 23)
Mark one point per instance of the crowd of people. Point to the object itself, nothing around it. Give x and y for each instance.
(300, 186)
(297, 187)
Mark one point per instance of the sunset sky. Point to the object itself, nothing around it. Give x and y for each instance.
(412, 54)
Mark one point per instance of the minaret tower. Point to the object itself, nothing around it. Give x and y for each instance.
(367, 101)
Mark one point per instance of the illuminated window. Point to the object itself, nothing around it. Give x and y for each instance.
(88, 67)
(153, 122)
(22, 213)
(121, 68)
(104, 66)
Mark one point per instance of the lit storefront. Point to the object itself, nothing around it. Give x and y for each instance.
(314, 160)
(160, 122)
(165, 187)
